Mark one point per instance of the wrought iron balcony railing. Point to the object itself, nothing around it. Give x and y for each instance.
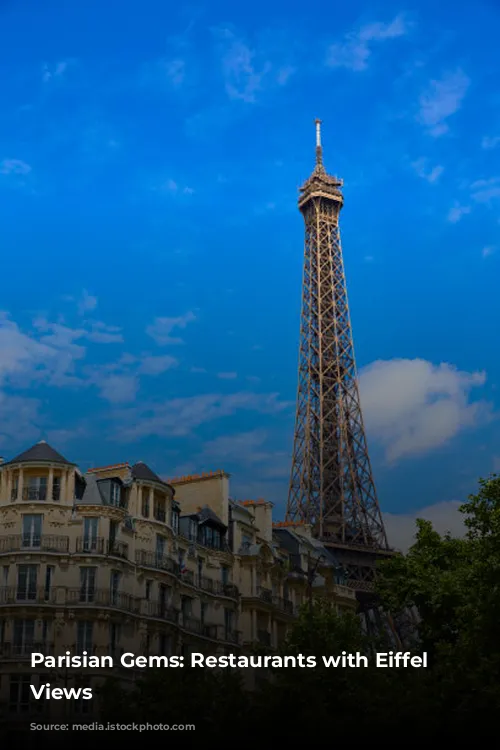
(26, 595)
(285, 605)
(265, 594)
(93, 597)
(218, 587)
(31, 542)
(155, 560)
(100, 546)
(161, 610)
(24, 648)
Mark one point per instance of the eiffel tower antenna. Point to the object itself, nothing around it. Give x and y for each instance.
(331, 483)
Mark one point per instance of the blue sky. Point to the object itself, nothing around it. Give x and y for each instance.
(152, 247)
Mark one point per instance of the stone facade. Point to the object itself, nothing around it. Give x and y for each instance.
(119, 560)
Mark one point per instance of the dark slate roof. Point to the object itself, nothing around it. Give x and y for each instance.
(91, 494)
(140, 470)
(207, 514)
(41, 451)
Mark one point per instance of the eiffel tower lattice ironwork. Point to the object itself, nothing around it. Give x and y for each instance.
(331, 484)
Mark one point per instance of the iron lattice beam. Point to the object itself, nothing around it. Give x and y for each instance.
(331, 484)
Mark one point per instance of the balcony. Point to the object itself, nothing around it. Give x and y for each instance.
(100, 546)
(90, 597)
(285, 605)
(218, 587)
(159, 514)
(30, 543)
(161, 611)
(192, 624)
(26, 596)
(158, 561)
(232, 636)
(20, 649)
(266, 595)
(187, 576)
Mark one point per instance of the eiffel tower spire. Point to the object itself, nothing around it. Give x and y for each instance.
(331, 483)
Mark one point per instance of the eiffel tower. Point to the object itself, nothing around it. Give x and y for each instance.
(331, 483)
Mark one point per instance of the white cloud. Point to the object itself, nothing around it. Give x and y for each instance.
(161, 328)
(151, 365)
(14, 167)
(354, 51)
(87, 303)
(248, 71)
(456, 212)
(51, 72)
(181, 416)
(445, 517)
(431, 174)
(413, 406)
(489, 142)
(487, 251)
(442, 99)
(118, 389)
(227, 375)
(484, 191)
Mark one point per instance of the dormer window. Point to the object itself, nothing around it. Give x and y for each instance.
(115, 493)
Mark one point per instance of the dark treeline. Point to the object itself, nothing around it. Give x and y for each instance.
(454, 584)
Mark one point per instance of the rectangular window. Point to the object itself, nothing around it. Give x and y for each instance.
(84, 634)
(147, 593)
(56, 489)
(145, 505)
(26, 582)
(228, 622)
(175, 521)
(114, 638)
(165, 645)
(20, 693)
(36, 489)
(203, 612)
(217, 539)
(246, 541)
(32, 530)
(163, 598)
(90, 530)
(224, 574)
(114, 586)
(186, 606)
(87, 584)
(49, 573)
(24, 636)
(115, 493)
(6, 569)
(160, 547)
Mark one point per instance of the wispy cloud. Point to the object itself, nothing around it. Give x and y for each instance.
(181, 416)
(55, 71)
(489, 142)
(484, 191)
(14, 167)
(173, 188)
(442, 98)
(355, 49)
(457, 212)
(247, 71)
(431, 174)
(87, 303)
(227, 375)
(161, 328)
(487, 251)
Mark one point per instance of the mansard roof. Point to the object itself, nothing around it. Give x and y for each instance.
(140, 470)
(40, 453)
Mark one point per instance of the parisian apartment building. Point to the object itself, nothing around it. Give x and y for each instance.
(119, 559)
